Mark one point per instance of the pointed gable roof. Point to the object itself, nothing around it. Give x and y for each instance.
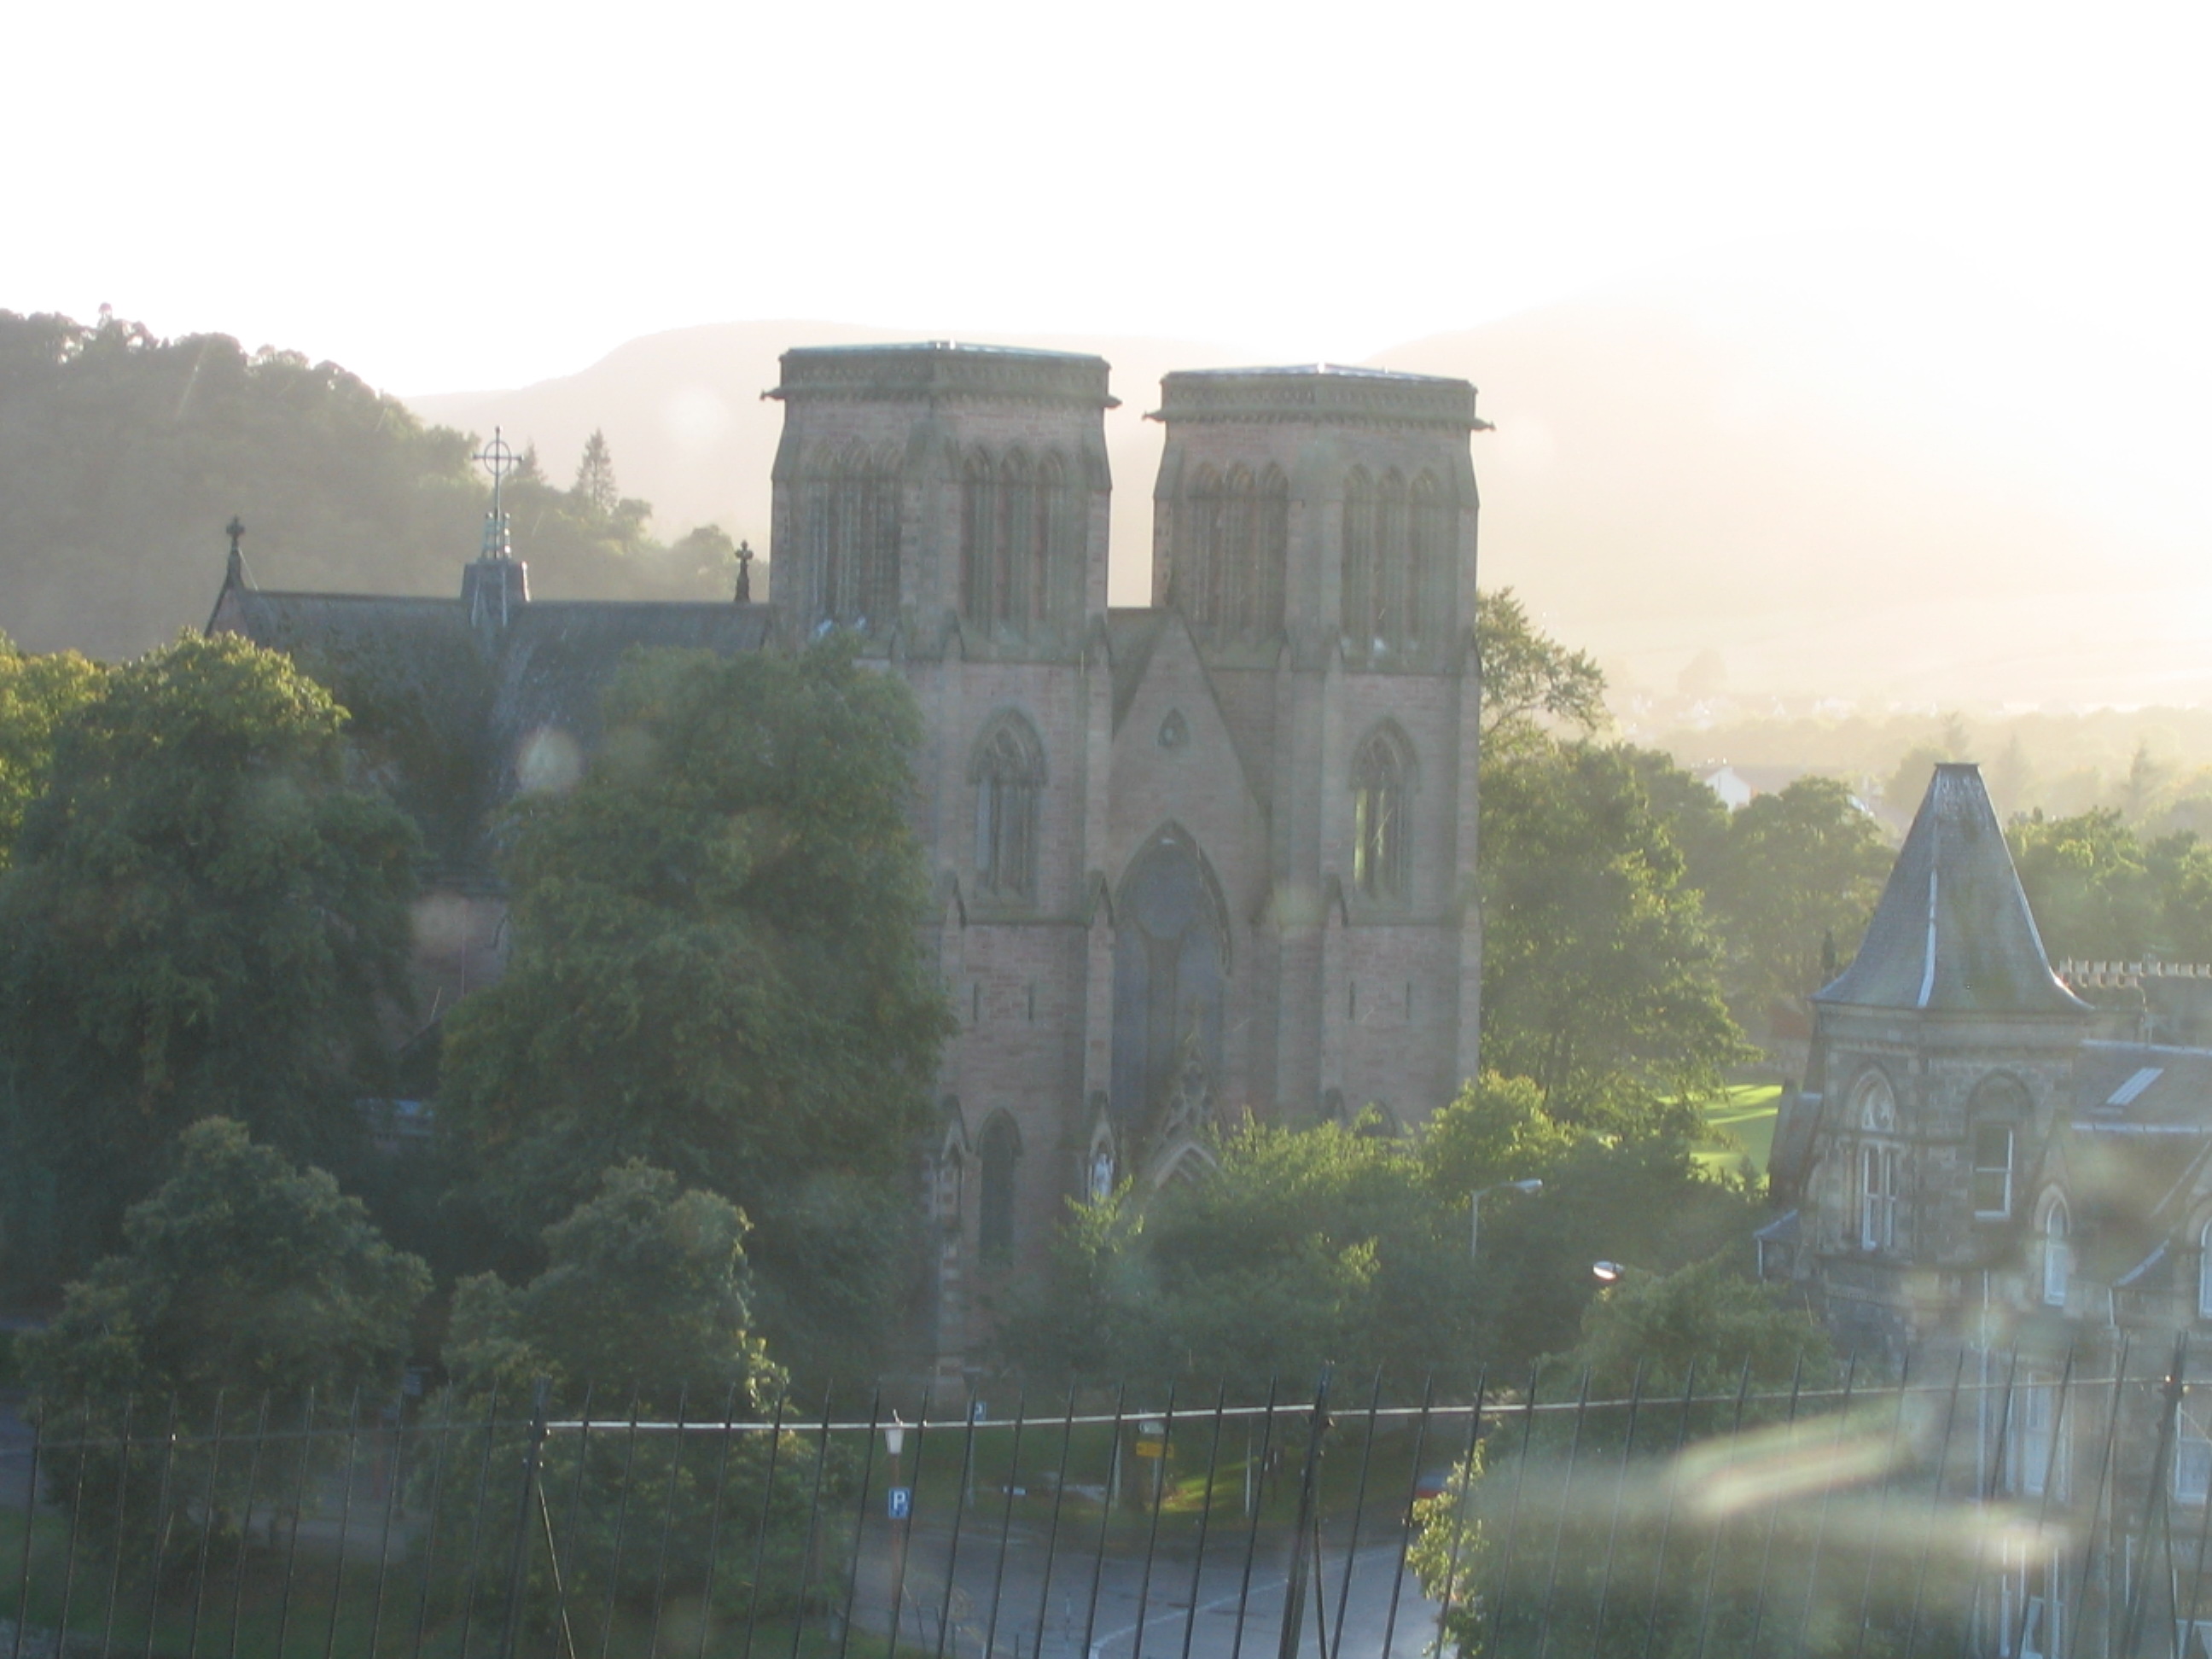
(1953, 933)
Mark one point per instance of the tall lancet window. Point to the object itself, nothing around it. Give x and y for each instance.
(1231, 543)
(1008, 773)
(1382, 779)
(1359, 559)
(999, 1149)
(852, 538)
(1017, 521)
(1397, 557)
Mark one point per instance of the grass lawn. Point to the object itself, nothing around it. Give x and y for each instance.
(1742, 1125)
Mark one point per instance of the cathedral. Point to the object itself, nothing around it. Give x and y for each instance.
(1206, 858)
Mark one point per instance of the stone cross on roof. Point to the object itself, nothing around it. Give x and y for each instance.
(498, 459)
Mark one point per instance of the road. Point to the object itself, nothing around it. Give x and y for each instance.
(1127, 1613)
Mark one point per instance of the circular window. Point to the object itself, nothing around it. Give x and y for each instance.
(1174, 730)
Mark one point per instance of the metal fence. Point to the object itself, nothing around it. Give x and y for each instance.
(1979, 1502)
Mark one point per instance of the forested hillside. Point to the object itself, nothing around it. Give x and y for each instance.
(123, 456)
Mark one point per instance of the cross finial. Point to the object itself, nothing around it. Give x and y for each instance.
(745, 573)
(234, 567)
(498, 459)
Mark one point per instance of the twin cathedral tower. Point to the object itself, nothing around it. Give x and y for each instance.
(1210, 856)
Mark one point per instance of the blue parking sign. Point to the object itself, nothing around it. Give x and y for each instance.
(901, 1502)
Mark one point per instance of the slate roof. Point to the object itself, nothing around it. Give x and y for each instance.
(2138, 1135)
(1953, 933)
(443, 710)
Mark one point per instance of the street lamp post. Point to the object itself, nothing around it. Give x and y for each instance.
(1474, 1210)
(894, 1442)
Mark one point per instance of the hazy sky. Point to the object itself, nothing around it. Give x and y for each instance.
(442, 196)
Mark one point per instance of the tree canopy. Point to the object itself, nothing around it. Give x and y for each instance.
(243, 1274)
(203, 919)
(1600, 976)
(2101, 891)
(1801, 871)
(1340, 1242)
(37, 693)
(643, 1296)
(1530, 680)
(717, 968)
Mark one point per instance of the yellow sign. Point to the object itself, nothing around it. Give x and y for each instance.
(1151, 1447)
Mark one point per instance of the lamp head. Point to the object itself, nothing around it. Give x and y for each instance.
(1606, 1272)
(1533, 1184)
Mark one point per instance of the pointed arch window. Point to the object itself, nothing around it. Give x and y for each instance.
(2057, 1254)
(1017, 520)
(1231, 543)
(1360, 557)
(1396, 559)
(1008, 773)
(1881, 1171)
(1380, 780)
(852, 538)
(998, 1154)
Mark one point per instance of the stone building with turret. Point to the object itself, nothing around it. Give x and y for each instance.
(1205, 858)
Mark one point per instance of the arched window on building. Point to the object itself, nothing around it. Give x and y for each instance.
(1997, 1114)
(1272, 555)
(997, 1152)
(1017, 523)
(979, 549)
(852, 538)
(1428, 524)
(1881, 1171)
(1397, 556)
(1016, 542)
(2057, 1254)
(1057, 550)
(1008, 773)
(1382, 779)
(1231, 542)
(1359, 558)
(1197, 535)
(1234, 556)
(1390, 597)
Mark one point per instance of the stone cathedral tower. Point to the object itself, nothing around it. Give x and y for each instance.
(1211, 857)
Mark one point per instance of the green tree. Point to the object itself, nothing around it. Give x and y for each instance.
(1303, 1245)
(643, 1307)
(1339, 1243)
(1598, 975)
(595, 485)
(1528, 678)
(1648, 1558)
(203, 919)
(716, 970)
(1803, 865)
(37, 693)
(643, 1296)
(241, 1274)
(2100, 891)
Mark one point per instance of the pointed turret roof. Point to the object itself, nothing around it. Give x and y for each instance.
(1953, 933)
